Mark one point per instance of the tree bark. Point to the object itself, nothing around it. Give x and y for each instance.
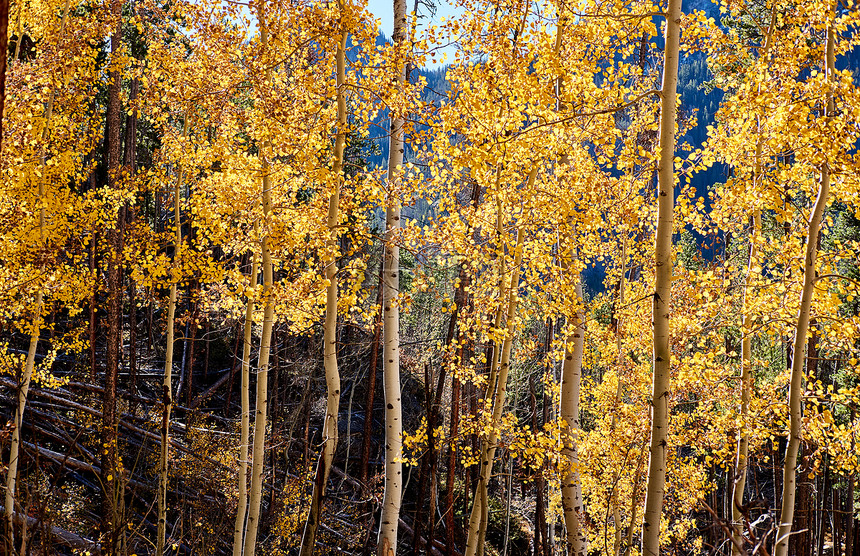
(498, 386)
(332, 375)
(112, 512)
(386, 544)
(371, 385)
(795, 396)
(619, 387)
(4, 48)
(571, 488)
(662, 286)
(540, 516)
(742, 453)
(244, 427)
(849, 507)
(262, 402)
(167, 384)
(747, 379)
(30, 360)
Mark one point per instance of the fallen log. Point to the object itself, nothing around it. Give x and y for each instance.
(59, 535)
(69, 461)
(70, 404)
(211, 390)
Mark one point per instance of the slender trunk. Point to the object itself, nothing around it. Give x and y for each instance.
(93, 324)
(386, 544)
(662, 287)
(244, 428)
(571, 489)
(29, 362)
(509, 495)
(795, 397)
(235, 354)
(835, 517)
(619, 336)
(430, 461)
(498, 385)
(4, 48)
(619, 387)
(747, 381)
(332, 376)
(192, 341)
(261, 404)
(822, 514)
(371, 385)
(492, 364)
(132, 338)
(799, 542)
(167, 385)
(453, 433)
(424, 474)
(540, 518)
(129, 155)
(634, 504)
(456, 387)
(742, 454)
(255, 494)
(24, 386)
(489, 446)
(849, 507)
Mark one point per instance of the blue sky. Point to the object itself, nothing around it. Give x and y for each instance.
(383, 9)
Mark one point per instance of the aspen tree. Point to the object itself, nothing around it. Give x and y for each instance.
(662, 285)
(742, 452)
(478, 500)
(387, 537)
(30, 361)
(262, 401)
(619, 388)
(332, 376)
(261, 404)
(244, 427)
(497, 384)
(747, 380)
(795, 395)
(571, 375)
(167, 385)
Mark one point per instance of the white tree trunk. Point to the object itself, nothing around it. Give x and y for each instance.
(387, 538)
(262, 401)
(167, 384)
(795, 396)
(30, 361)
(662, 286)
(332, 375)
(742, 453)
(747, 379)
(15, 447)
(261, 404)
(498, 385)
(571, 376)
(244, 428)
